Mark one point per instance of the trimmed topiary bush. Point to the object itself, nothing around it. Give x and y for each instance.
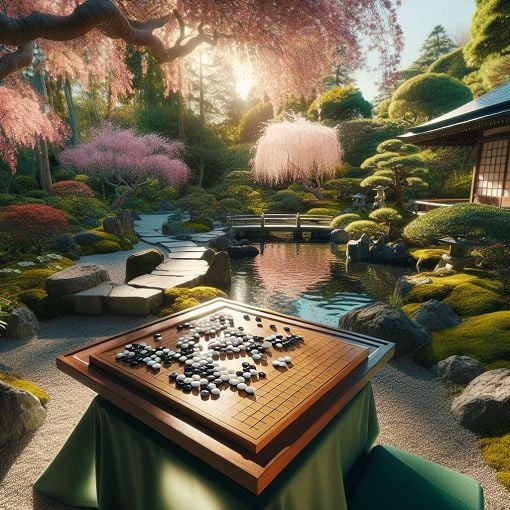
(21, 184)
(323, 211)
(344, 219)
(71, 189)
(286, 201)
(465, 221)
(37, 193)
(341, 103)
(9, 199)
(473, 299)
(357, 228)
(31, 225)
(204, 220)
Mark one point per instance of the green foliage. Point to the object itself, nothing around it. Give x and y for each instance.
(453, 64)
(323, 211)
(496, 452)
(105, 247)
(426, 96)
(79, 209)
(23, 384)
(64, 174)
(21, 184)
(344, 219)
(230, 206)
(343, 188)
(340, 103)
(286, 201)
(437, 43)
(385, 215)
(178, 299)
(376, 180)
(37, 193)
(490, 31)
(374, 161)
(360, 137)
(8, 199)
(31, 297)
(428, 257)
(238, 157)
(468, 221)
(196, 226)
(204, 220)
(484, 337)
(357, 228)
(198, 204)
(251, 124)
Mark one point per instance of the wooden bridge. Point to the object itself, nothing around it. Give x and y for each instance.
(263, 224)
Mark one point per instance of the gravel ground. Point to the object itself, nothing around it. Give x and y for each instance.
(413, 410)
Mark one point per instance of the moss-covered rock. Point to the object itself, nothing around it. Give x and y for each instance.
(473, 299)
(143, 262)
(484, 337)
(177, 299)
(427, 258)
(105, 247)
(496, 452)
(23, 384)
(31, 297)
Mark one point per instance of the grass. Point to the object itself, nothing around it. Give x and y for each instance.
(484, 337)
(496, 452)
(23, 384)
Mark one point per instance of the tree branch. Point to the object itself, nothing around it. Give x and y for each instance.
(91, 14)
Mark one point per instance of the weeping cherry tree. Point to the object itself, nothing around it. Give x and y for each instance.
(297, 151)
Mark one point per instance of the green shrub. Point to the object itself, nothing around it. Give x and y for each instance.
(344, 187)
(23, 384)
(196, 227)
(323, 211)
(8, 199)
(344, 219)
(483, 337)
(65, 174)
(37, 193)
(204, 220)
(286, 201)
(357, 228)
(199, 204)
(341, 103)
(238, 158)
(468, 221)
(385, 215)
(21, 184)
(230, 206)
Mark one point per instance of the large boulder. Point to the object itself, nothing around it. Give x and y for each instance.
(142, 262)
(22, 324)
(358, 251)
(240, 252)
(397, 255)
(22, 412)
(485, 403)
(219, 243)
(458, 369)
(88, 237)
(174, 227)
(75, 279)
(339, 236)
(388, 323)
(219, 273)
(407, 283)
(435, 315)
(66, 244)
(120, 225)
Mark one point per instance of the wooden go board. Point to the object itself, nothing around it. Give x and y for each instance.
(249, 438)
(318, 363)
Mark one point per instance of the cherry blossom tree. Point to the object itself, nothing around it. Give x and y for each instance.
(124, 159)
(297, 150)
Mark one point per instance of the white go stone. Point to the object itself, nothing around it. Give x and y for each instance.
(181, 377)
(215, 391)
(250, 390)
(257, 357)
(241, 386)
(150, 363)
(247, 375)
(188, 380)
(195, 384)
(279, 345)
(287, 359)
(156, 366)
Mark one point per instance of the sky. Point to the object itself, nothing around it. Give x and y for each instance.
(417, 19)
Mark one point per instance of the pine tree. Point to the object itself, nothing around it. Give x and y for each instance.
(437, 43)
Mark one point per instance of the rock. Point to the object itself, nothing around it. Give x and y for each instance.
(174, 226)
(165, 205)
(184, 237)
(219, 273)
(458, 369)
(164, 229)
(88, 237)
(397, 255)
(142, 262)
(75, 279)
(66, 244)
(244, 242)
(91, 222)
(357, 251)
(220, 243)
(162, 282)
(435, 315)
(127, 300)
(21, 413)
(239, 252)
(217, 225)
(22, 324)
(339, 236)
(407, 283)
(485, 403)
(388, 323)
(120, 225)
(208, 255)
(92, 301)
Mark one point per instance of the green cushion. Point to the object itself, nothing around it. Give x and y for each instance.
(393, 479)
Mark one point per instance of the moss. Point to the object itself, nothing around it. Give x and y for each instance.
(178, 305)
(203, 294)
(428, 257)
(484, 337)
(496, 452)
(25, 385)
(472, 299)
(197, 227)
(125, 243)
(357, 228)
(132, 238)
(28, 279)
(179, 299)
(411, 308)
(106, 247)
(31, 297)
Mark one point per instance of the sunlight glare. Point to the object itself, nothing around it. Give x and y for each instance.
(244, 78)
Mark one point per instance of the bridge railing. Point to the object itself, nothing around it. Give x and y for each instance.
(268, 220)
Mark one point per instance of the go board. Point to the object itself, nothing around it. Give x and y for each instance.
(269, 395)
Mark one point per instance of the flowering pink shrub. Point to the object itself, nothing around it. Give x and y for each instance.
(72, 189)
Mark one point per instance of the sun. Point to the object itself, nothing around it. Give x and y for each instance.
(243, 73)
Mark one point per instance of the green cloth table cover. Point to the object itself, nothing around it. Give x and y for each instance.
(112, 461)
(396, 480)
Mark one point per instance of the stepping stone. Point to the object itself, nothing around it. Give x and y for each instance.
(188, 249)
(172, 265)
(180, 273)
(127, 300)
(155, 239)
(152, 233)
(187, 255)
(153, 281)
(178, 244)
(91, 301)
(75, 279)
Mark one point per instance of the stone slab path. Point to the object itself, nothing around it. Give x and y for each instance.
(186, 255)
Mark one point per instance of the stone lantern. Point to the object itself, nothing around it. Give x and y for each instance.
(380, 196)
(460, 253)
(359, 202)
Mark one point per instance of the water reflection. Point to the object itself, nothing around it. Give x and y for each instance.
(310, 280)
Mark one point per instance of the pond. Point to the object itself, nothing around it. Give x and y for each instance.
(310, 280)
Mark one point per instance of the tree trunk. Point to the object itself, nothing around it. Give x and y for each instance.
(71, 112)
(399, 192)
(43, 164)
(120, 200)
(201, 168)
(311, 189)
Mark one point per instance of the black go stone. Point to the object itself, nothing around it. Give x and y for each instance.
(273, 326)
(262, 375)
(246, 317)
(218, 381)
(245, 364)
(258, 319)
(187, 388)
(239, 373)
(205, 393)
(211, 378)
(173, 375)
